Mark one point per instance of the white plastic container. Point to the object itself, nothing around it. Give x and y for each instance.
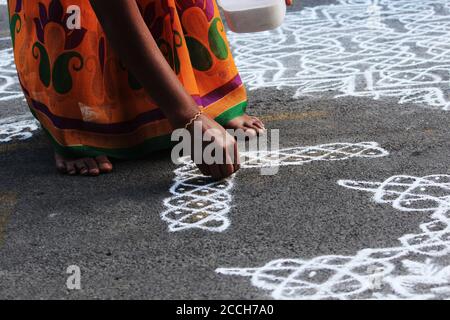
(253, 15)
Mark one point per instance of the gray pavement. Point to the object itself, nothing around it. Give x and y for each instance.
(111, 227)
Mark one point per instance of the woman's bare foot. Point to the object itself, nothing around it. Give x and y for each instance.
(83, 166)
(251, 125)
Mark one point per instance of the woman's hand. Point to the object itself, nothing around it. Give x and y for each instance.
(228, 161)
(289, 2)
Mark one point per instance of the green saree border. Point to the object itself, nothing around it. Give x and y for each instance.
(148, 146)
(231, 113)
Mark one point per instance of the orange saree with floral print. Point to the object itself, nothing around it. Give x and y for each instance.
(87, 101)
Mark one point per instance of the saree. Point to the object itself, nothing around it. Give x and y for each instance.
(88, 103)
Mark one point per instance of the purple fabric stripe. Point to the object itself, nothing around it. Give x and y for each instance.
(113, 128)
(222, 91)
(198, 100)
(142, 119)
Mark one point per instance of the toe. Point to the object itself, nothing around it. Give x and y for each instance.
(104, 164)
(82, 167)
(60, 163)
(70, 168)
(92, 165)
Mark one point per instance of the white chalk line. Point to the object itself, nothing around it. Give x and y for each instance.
(397, 49)
(9, 82)
(17, 128)
(197, 202)
(411, 270)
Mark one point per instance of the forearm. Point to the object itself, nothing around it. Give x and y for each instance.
(131, 39)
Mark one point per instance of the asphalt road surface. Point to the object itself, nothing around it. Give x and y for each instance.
(362, 214)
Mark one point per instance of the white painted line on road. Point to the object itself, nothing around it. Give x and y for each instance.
(197, 202)
(411, 270)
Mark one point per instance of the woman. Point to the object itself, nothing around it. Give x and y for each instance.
(120, 82)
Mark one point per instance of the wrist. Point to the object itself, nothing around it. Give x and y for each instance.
(182, 116)
(190, 123)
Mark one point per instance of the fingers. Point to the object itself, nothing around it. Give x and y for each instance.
(225, 144)
(258, 123)
(230, 161)
(219, 171)
(224, 167)
(254, 127)
(216, 172)
(251, 131)
(227, 169)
